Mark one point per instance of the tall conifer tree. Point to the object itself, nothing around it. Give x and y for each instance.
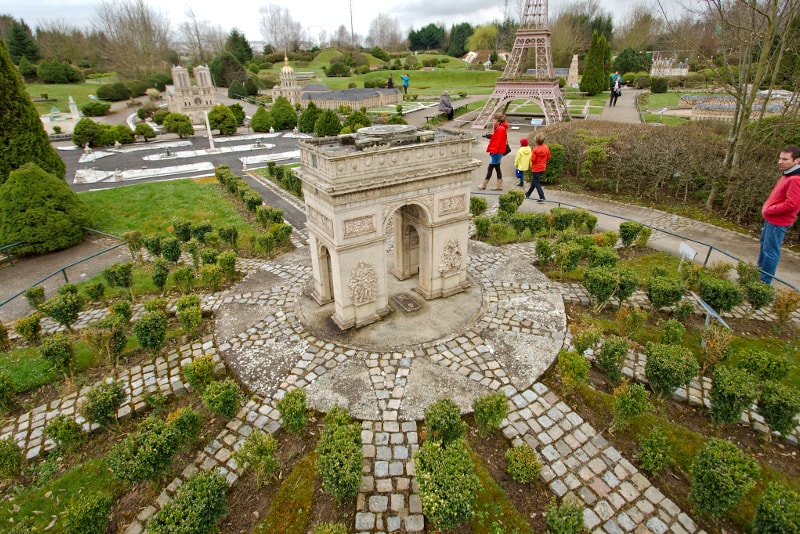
(593, 80)
(22, 135)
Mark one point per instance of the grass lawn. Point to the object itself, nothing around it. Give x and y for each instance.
(61, 92)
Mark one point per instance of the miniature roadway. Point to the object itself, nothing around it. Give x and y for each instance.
(501, 334)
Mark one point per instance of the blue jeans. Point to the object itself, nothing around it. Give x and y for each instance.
(536, 183)
(770, 253)
(494, 159)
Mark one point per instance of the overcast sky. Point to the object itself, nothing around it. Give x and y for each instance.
(314, 15)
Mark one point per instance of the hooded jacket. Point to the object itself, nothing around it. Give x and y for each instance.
(499, 139)
(522, 160)
(783, 203)
(539, 158)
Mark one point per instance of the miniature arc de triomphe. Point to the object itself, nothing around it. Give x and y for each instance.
(412, 182)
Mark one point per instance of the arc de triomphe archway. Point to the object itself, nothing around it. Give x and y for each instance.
(359, 187)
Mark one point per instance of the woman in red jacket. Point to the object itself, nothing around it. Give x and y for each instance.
(498, 141)
(539, 157)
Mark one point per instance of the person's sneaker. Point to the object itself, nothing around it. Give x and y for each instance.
(527, 196)
(520, 185)
(540, 200)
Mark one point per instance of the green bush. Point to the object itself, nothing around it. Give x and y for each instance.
(152, 243)
(562, 218)
(758, 294)
(721, 475)
(96, 291)
(10, 459)
(115, 92)
(778, 511)
(672, 332)
(443, 419)
(58, 350)
(151, 331)
(29, 328)
(90, 513)
(35, 296)
(572, 368)
(183, 278)
(63, 308)
(489, 411)
(523, 464)
(732, 391)
(511, 201)
(330, 528)
(663, 291)
(556, 164)
(171, 249)
(544, 252)
(65, 432)
(611, 356)
(779, 404)
(182, 230)
(629, 231)
(669, 367)
(340, 456)
(199, 373)
(654, 450)
(644, 237)
(602, 256)
(447, 483)
(122, 309)
(5, 342)
(602, 283)
(223, 398)
(658, 85)
(211, 276)
(200, 502)
(186, 423)
(629, 402)
(258, 454)
(292, 407)
(227, 264)
(7, 390)
(102, 403)
(190, 314)
(765, 365)
(567, 255)
(145, 454)
(565, 518)
(477, 205)
(722, 295)
(160, 273)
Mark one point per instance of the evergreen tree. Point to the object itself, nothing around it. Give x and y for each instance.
(22, 135)
(250, 86)
(458, 39)
(21, 43)
(238, 113)
(178, 123)
(27, 69)
(221, 117)
(40, 211)
(239, 47)
(144, 130)
(632, 60)
(426, 38)
(86, 131)
(261, 120)
(235, 89)
(283, 114)
(309, 118)
(225, 68)
(594, 80)
(327, 124)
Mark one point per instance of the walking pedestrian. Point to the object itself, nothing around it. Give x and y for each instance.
(616, 88)
(540, 155)
(498, 147)
(779, 212)
(522, 162)
(390, 82)
(404, 77)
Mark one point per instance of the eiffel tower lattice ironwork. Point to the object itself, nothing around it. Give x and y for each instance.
(542, 88)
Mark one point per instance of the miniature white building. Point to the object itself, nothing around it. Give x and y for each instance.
(191, 100)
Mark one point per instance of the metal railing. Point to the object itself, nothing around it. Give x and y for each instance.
(7, 250)
(63, 270)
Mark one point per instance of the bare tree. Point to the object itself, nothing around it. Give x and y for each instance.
(639, 29)
(384, 31)
(753, 40)
(343, 38)
(201, 40)
(137, 37)
(570, 30)
(59, 40)
(278, 28)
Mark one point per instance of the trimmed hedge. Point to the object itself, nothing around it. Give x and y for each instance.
(721, 475)
(669, 367)
(199, 504)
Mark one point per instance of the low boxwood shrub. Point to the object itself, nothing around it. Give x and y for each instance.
(90, 513)
(65, 432)
(227, 264)
(669, 367)
(544, 252)
(330, 528)
(121, 309)
(629, 231)
(340, 456)
(7, 390)
(156, 304)
(630, 400)
(732, 391)
(611, 356)
(107, 338)
(199, 373)
(572, 368)
(151, 331)
(29, 328)
(58, 350)
(10, 459)
(567, 255)
(145, 454)
(477, 205)
(511, 201)
(257, 453)
(672, 332)
(566, 517)
(152, 243)
(443, 419)
(489, 411)
(758, 294)
(190, 314)
(229, 234)
(186, 423)
(96, 291)
(183, 278)
(722, 295)
(5, 342)
(721, 475)
(160, 273)
(482, 225)
(223, 398)
(778, 511)
(663, 291)
(562, 218)
(183, 230)
(211, 276)
(602, 283)
(779, 404)
(447, 483)
(293, 410)
(102, 403)
(654, 450)
(765, 365)
(602, 256)
(35, 296)
(523, 464)
(629, 320)
(200, 502)
(607, 239)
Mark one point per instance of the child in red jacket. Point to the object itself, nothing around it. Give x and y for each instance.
(539, 158)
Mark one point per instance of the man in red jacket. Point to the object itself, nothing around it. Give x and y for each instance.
(779, 211)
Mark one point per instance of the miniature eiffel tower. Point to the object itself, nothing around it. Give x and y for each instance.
(542, 88)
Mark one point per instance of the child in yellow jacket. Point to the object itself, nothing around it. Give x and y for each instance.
(522, 162)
